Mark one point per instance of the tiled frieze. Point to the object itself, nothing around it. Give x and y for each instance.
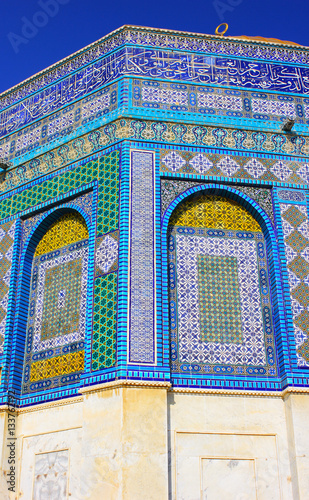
(7, 236)
(216, 101)
(136, 61)
(219, 292)
(66, 92)
(56, 126)
(294, 171)
(229, 165)
(142, 242)
(295, 227)
(154, 38)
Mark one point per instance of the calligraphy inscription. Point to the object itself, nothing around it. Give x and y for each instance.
(198, 68)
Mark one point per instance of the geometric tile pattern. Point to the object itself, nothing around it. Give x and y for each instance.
(61, 299)
(201, 163)
(214, 101)
(104, 322)
(7, 232)
(57, 366)
(57, 306)
(68, 229)
(142, 282)
(108, 172)
(107, 254)
(173, 161)
(216, 212)
(220, 325)
(295, 226)
(105, 169)
(235, 166)
(219, 299)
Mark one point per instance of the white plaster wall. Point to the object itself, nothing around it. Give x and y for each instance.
(114, 444)
(204, 429)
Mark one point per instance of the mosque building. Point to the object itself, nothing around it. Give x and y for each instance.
(154, 272)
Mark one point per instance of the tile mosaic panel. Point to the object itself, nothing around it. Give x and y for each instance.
(69, 229)
(57, 307)
(289, 195)
(105, 169)
(219, 299)
(159, 38)
(142, 241)
(57, 367)
(175, 65)
(104, 322)
(152, 94)
(7, 234)
(219, 293)
(295, 226)
(107, 254)
(239, 167)
(54, 237)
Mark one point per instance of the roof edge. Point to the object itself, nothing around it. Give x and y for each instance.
(241, 39)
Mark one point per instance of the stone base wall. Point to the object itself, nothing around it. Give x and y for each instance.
(149, 443)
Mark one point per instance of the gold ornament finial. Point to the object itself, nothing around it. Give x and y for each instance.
(226, 27)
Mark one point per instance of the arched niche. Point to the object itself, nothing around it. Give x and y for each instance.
(52, 308)
(224, 286)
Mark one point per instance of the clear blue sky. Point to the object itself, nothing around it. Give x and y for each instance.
(72, 24)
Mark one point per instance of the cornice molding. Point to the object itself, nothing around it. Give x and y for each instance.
(124, 384)
(44, 406)
(147, 384)
(245, 393)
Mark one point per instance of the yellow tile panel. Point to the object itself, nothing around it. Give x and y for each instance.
(213, 212)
